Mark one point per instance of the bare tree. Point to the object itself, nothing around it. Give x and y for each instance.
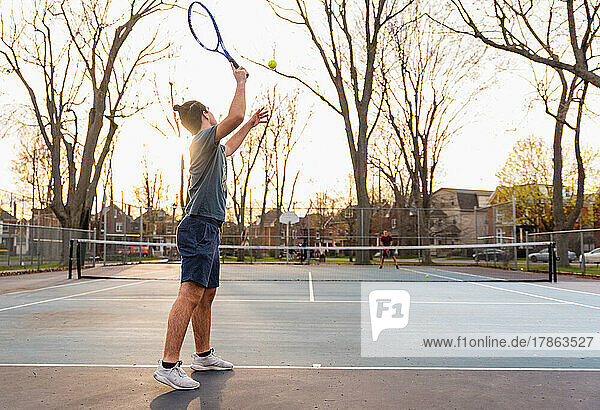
(283, 137)
(152, 194)
(73, 61)
(573, 91)
(557, 34)
(560, 36)
(280, 139)
(242, 165)
(347, 46)
(33, 165)
(326, 207)
(267, 157)
(171, 126)
(387, 161)
(428, 85)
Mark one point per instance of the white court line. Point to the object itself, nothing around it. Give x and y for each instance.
(469, 274)
(432, 274)
(67, 297)
(566, 290)
(315, 301)
(459, 273)
(51, 287)
(311, 292)
(279, 367)
(539, 296)
(531, 294)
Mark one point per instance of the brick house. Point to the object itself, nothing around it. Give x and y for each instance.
(7, 234)
(454, 215)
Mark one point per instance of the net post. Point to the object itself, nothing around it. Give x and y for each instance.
(475, 218)
(105, 233)
(37, 247)
(141, 232)
(20, 242)
(250, 231)
(308, 237)
(78, 260)
(514, 223)
(550, 268)
(526, 251)
(30, 240)
(554, 262)
(95, 249)
(582, 253)
(9, 236)
(419, 234)
(71, 259)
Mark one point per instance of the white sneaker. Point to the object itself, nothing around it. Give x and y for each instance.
(210, 362)
(175, 377)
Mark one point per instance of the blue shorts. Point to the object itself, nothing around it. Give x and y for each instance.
(198, 244)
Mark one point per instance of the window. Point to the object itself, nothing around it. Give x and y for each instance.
(500, 235)
(499, 216)
(119, 227)
(394, 223)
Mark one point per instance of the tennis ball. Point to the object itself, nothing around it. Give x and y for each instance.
(272, 64)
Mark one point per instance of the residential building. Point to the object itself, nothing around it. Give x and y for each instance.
(455, 216)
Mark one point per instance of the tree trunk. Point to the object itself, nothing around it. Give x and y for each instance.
(424, 228)
(562, 222)
(363, 221)
(278, 233)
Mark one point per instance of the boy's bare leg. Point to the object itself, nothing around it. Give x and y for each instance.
(205, 359)
(189, 296)
(201, 320)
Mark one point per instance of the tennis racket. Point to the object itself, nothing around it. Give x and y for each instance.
(206, 32)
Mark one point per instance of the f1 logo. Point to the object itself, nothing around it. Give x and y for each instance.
(389, 309)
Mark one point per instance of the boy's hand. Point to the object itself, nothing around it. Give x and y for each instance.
(240, 74)
(259, 117)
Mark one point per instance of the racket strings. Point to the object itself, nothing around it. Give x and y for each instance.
(203, 28)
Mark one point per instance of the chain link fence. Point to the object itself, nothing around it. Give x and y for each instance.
(34, 247)
(583, 248)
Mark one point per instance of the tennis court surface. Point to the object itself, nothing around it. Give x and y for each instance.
(299, 343)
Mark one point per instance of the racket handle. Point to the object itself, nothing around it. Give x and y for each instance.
(235, 64)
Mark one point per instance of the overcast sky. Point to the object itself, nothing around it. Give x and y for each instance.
(503, 113)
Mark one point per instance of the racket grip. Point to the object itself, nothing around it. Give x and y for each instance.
(236, 65)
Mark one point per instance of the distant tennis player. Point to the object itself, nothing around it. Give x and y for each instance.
(198, 233)
(386, 240)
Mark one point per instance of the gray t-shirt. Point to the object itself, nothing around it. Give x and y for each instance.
(208, 176)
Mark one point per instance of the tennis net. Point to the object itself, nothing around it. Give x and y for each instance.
(436, 263)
